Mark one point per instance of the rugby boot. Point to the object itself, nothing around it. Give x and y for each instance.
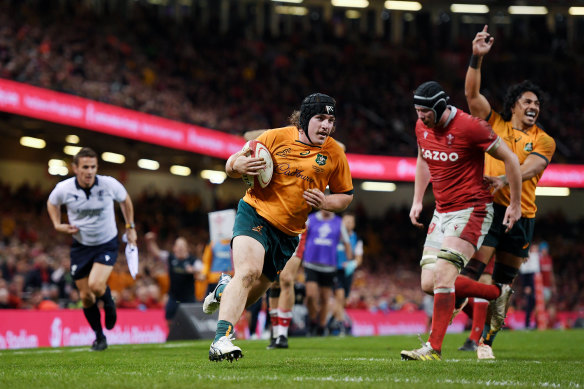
(212, 301)
(224, 349)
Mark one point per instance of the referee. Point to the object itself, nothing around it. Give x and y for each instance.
(89, 199)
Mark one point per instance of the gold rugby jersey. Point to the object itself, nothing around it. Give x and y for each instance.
(533, 141)
(297, 167)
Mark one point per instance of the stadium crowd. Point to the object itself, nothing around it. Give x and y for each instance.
(238, 81)
(34, 260)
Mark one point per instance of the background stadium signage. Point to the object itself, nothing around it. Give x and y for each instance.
(29, 329)
(44, 104)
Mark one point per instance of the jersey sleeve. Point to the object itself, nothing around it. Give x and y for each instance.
(118, 191)
(545, 147)
(340, 180)
(57, 196)
(482, 134)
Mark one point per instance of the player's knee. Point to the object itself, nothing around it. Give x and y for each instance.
(250, 276)
(286, 280)
(504, 274)
(97, 288)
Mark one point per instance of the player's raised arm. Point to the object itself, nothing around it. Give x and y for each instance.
(478, 104)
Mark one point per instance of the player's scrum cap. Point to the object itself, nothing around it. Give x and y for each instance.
(431, 95)
(315, 104)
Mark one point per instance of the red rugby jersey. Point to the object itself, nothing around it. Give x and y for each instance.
(455, 155)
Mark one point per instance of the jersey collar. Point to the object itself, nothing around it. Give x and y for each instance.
(86, 190)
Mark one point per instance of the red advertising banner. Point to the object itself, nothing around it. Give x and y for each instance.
(367, 323)
(30, 101)
(30, 329)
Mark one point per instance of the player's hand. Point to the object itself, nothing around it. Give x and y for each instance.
(415, 214)
(512, 214)
(244, 164)
(315, 198)
(495, 183)
(482, 42)
(67, 229)
(132, 236)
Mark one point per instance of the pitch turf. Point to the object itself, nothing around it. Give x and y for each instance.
(524, 359)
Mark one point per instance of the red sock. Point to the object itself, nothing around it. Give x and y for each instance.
(468, 308)
(478, 319)
(465, 287)
(274, 322)
(284, 319)
(443, 308)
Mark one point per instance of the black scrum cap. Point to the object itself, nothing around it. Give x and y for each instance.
(431, 95)
(315, 104)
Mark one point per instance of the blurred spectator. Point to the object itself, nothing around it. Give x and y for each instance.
(527, 273)
(182, 270)
(74, 300)
(547, 272)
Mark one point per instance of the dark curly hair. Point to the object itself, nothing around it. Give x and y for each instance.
(514, 93)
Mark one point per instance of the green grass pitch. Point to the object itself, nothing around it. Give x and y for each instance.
(524, 359)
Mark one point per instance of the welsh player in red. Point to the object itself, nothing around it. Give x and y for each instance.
(451, 154)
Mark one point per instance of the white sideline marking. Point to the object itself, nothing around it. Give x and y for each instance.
(509, 383)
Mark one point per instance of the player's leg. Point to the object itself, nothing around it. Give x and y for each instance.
(286, 301)
(312, 298)
(451, 260)
(513, 248)
(528, 283)
(463, 231)
(103, 265)
(478, 313)
(505, 271)
(97, 283)
(248, 258)
(92, 314)
(347, 323)
(273, 301)
(325, 292)
(338, 307)
(91, 267)
(468, 284)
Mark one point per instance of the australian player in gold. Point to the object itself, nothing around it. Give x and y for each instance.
(517, 126)
(269, 220)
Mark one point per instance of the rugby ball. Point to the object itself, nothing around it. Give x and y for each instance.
(259, 150)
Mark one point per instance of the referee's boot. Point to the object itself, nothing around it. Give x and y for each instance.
(99, 344)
